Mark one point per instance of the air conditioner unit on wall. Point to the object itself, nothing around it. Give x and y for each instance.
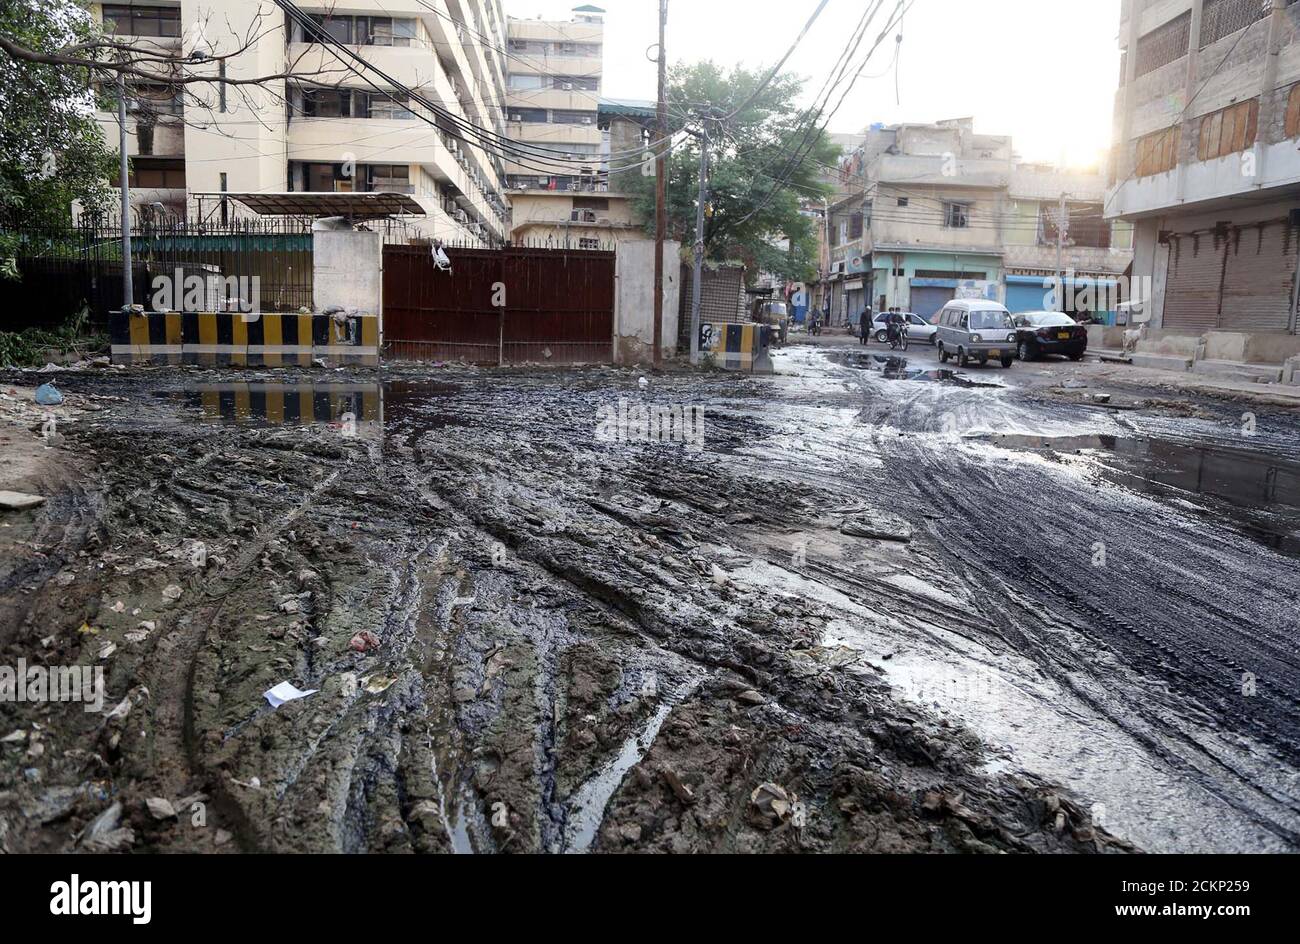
(586, 121)
(567, 86)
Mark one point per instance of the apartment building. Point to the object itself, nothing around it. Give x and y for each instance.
(1206, 164)
(565, 194)
(326, 127)
(936, 212)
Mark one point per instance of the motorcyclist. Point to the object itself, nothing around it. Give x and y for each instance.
(894, 322)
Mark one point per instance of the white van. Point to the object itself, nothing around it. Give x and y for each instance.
(972, 329)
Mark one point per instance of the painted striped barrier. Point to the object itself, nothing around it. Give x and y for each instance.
(733, 346)
(235, 339)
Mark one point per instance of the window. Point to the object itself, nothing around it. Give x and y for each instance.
(383, 106)
(592, 203)
(517, 81)
(855, 226)
(533, 115)
(1228, 130)
(1293, 112)
(1222, 18)
(576, 49)
(359, 30)
(157, 173)
(1164, 45)
(327, 103)
(153, 99)
(386, 31)
(573, 117)
(902, 201)
(588, 243)
(956, 215)
(574, 82)
(132, 20)
(394, 178)
(1157, 152)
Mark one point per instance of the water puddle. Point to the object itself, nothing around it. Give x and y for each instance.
(893, 367)
(286, 404)
(587, 807)
(1256, 491)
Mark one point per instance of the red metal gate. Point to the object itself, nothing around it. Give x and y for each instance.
(499, 305)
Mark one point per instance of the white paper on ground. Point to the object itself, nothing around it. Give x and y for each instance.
(286, 691)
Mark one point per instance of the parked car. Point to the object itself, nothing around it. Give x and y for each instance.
(972, 329)
(1049, 332)
(918, 329)
(774, 314)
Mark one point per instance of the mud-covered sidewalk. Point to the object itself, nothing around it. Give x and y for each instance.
(523, 633)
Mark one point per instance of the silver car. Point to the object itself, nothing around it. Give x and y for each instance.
(975, 330)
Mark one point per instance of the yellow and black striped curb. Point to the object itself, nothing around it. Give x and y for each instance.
(236, 339)
(737, 346)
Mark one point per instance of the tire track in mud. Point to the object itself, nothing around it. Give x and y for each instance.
(1178, 642)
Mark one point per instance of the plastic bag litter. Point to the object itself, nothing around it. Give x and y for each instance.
(48, 395)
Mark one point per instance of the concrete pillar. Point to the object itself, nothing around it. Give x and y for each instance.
(634, 300)
(347, 269)
(1189, 130)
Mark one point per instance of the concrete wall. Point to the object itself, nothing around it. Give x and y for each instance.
(634, 267)
(347, 269)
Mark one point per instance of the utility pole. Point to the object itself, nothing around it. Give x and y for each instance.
(699, 243)
(661, 173)
(128, 290)
(1062, 223)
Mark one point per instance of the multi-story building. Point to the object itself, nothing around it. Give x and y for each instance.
(331, 124)
(598, 212)
(563, 192)
(552, 98)
(938, 211)
(1206, 165)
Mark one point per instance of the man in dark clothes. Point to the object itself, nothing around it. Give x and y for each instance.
(864, 325)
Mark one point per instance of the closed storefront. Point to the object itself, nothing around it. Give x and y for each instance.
(1259, 278)
(928, 299)
(1195, 282)
(854, 298)
(1233, 279)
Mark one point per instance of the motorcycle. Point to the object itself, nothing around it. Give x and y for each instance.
(898, 336)
(815, 326)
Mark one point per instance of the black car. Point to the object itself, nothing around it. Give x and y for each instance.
(1049, 332)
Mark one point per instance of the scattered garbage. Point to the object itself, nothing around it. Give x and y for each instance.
(160, 808)
(48, 395)
(286, 692)
(19, 501)
(771, 805)
(364, 641)
(171, 592)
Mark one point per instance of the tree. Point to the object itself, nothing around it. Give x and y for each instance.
(53, 150)
(766, 163)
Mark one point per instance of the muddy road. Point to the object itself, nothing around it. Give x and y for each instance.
(528, 631)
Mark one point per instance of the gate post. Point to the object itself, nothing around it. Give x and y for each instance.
(347, 269)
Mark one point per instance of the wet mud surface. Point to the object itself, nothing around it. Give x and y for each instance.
(864, 616)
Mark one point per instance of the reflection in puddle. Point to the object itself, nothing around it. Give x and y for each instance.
(287, 404)
(1261, 491)
(892, 367)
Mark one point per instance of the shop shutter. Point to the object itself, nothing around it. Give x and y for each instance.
(1259, 277)
(928, 299)
(1195, 282)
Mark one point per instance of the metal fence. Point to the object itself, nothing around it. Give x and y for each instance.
(177, 264)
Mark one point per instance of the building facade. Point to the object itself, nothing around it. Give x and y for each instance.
(938, 212)
(331, 125)
(1206, 163)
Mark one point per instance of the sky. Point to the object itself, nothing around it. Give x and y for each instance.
(1043, 71)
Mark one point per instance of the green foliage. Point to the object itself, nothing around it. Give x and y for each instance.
(755, 192)
(52, 151)
(30, 347)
